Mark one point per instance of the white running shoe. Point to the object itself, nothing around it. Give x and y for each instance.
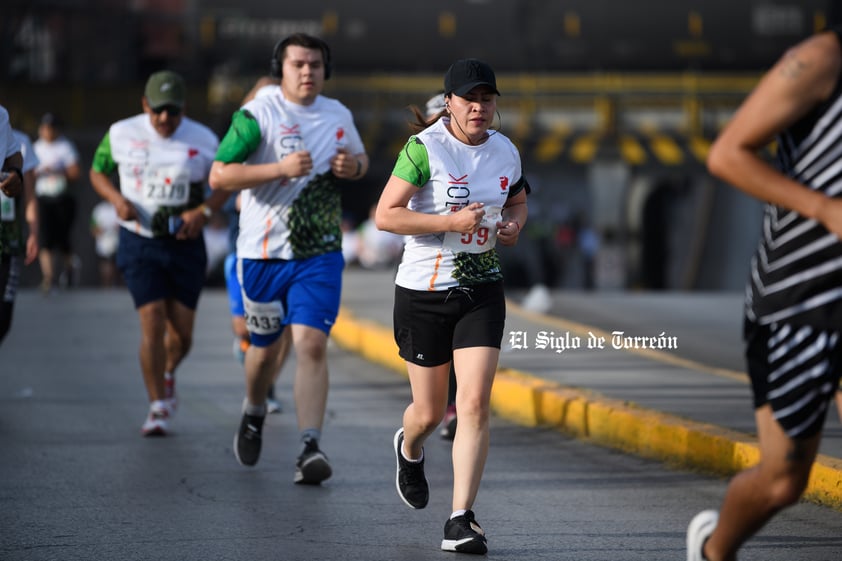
(156, 420)
(273, 405)
(698, 532)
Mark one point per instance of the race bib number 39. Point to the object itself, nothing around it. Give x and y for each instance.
(263, 318)
(480, 241)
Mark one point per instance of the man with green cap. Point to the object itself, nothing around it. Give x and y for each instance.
(161, 159)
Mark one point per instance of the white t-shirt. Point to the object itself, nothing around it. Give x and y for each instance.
(154, 171)
(104, 219)
(456, 175)
(294, 218)
(54, 157)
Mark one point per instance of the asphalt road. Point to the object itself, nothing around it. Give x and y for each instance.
(78, 482)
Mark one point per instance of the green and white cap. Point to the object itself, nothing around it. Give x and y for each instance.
(165, 88)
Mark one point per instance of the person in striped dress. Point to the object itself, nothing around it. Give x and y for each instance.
(793, 311)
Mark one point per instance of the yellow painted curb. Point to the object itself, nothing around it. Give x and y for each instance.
(369, 339)
(531, 401)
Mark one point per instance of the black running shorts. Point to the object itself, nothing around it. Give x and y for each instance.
(429, 325)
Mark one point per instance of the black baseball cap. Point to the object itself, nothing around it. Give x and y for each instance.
(466, 74)
(51, 119)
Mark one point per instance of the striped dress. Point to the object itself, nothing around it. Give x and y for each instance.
(796, 272)
(795, 287)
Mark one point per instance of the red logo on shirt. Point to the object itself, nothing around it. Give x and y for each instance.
(457, 180)
(340, 134)
(504, 182)
(192, 152)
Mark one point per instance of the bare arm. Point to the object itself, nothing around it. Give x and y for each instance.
(392, 214)
(514, 219)
(195, 219)
(30, 206)
(107, 190)
(801, 79)
(12, 184)
(73, 172)
(349, 166)
(236, 177)
(261, 82)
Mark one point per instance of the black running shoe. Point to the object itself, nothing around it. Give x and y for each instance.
(248, 439)
(312, 466)
(463, 535)
(410, 481)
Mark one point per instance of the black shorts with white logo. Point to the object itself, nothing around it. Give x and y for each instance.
(795, 369)
(430, 325)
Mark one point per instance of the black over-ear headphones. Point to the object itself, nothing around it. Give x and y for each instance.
(307, 41)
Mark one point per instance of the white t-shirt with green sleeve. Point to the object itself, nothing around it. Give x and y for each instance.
(159, 176)
(450, 175)
(293, 218)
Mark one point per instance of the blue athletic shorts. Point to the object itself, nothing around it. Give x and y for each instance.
(162, 268)
(232, 283)
(278, 292)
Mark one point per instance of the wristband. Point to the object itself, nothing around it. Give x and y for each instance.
(359, 169)
(206, 210)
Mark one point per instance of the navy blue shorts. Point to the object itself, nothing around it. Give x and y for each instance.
(162, 268)
(430, 325)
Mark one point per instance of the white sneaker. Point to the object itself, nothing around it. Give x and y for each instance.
(273, 405)
(538, 299)
(699, 530)
(156, 420)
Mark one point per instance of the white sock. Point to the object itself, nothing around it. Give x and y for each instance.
(457, 513)
(159, 405)
(415, 461)
(256, 410)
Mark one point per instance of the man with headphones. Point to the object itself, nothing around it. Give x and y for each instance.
(286, 151)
